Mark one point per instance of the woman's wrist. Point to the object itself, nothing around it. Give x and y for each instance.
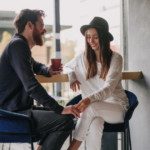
(72, 77)
(83, 104)
(89, 101)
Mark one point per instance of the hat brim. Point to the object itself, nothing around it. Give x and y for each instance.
(85, 27)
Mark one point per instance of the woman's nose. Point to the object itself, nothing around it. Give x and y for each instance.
(91, 40)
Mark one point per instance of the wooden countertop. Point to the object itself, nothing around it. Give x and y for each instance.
(126, 75)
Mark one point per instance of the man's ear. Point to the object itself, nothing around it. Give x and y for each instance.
(29, 25)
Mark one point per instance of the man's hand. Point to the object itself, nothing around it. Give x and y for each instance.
(83, 104)
(74, 84)
(71, 110)
(50, 70)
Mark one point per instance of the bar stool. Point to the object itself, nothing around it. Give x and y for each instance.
(120, 127)
(17, 128)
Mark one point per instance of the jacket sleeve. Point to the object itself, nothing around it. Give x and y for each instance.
(20, 58)
(113, 77)
(40, 69)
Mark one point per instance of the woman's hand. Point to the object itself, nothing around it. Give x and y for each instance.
(83, 104)
(50, 70)
(74, 84)
(71, 110)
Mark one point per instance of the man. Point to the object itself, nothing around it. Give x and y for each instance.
(18, 85)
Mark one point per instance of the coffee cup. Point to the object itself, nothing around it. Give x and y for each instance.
(56, 63)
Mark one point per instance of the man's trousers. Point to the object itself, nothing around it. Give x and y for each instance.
(56, 128)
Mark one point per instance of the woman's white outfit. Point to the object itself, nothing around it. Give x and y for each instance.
(108, 99)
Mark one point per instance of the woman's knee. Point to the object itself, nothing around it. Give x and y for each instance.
(90, 111)
(97, 124)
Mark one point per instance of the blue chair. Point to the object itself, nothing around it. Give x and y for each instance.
(17, 128)
(120, 127)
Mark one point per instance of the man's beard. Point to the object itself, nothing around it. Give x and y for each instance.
(37, 37)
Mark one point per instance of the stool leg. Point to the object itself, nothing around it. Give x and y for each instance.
(125, 142)
(31, 142)
(129, 138)
(32, 146)
(70, 137)
(9, 146)
(3, 146)
(30, 133)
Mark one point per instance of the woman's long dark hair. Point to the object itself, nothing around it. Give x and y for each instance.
(105, 54)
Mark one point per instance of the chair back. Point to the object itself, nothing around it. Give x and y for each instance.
(17, 128)
(133, 102)
(11, 122)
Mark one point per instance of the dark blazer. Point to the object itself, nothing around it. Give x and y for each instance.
(18, 85)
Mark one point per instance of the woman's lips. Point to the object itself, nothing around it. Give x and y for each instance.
(93, 45)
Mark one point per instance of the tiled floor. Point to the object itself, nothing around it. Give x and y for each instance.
(27, 146)
(66, 144)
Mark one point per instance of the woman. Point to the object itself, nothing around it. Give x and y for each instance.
(98, 72)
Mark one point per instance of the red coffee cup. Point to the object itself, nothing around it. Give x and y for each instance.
(56, 63)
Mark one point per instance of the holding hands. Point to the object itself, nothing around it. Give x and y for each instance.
(83, 104)
(77, 109)
(71, 110)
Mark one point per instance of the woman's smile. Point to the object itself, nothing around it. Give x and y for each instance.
(92, 38)
(93, 45)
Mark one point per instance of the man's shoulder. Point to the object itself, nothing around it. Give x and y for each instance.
(17, 45)
(16, 41)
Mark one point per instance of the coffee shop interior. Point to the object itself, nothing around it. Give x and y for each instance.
(129, 23)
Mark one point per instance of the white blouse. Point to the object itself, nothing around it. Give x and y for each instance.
(96, 89)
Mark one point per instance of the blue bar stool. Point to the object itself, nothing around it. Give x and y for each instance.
(120, 127)
(17, 128)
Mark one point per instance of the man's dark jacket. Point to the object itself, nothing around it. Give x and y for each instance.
(18, 85)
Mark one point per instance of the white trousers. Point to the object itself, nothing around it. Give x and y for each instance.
(91, 123)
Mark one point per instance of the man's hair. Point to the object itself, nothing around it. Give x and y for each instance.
(27, 15)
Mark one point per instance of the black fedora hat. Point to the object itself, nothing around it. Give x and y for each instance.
(98, 23)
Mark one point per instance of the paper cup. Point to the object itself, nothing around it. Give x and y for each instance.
(56, 63)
